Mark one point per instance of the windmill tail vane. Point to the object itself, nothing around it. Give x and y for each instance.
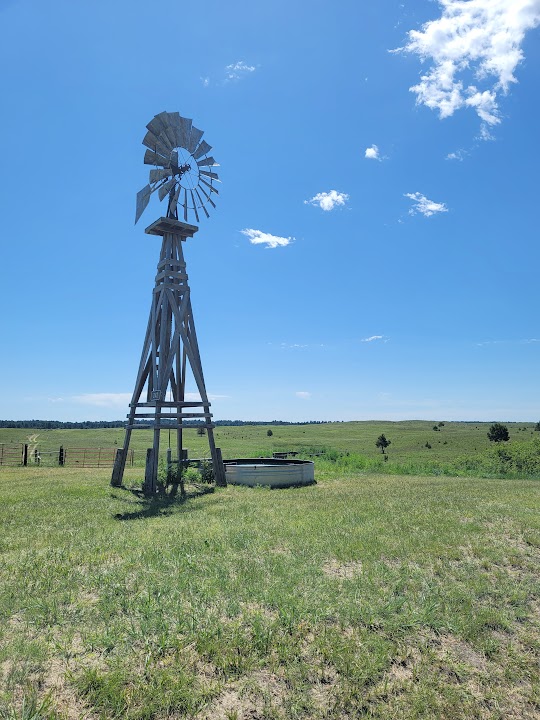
(182, 167)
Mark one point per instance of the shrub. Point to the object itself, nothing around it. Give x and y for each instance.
(498, 433)
(269, 433)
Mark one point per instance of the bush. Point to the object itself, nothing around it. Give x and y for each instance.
(269, 433)
(207, 471)
(498, 433)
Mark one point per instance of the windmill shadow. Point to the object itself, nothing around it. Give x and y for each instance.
(163, 504)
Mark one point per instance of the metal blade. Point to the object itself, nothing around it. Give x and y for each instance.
(185, 205)
(184, 131)
(208, 198)
(156, 144)
(177, 128)
(194, 205)
(203, 149)
(212, 188)
(157, 175)
(174, 158)
(156, 125)
(152, 158)
(143, 198)
(194, 139)
(202, 203)
(174, 200)
(164, 189)
(207, 162)
(209, 174)
(167, 131)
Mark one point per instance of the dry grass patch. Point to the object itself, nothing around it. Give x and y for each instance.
(342, 570)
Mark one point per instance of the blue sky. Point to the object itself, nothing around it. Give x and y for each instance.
(395, 263)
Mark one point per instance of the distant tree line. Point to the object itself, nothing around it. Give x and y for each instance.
(93, 424)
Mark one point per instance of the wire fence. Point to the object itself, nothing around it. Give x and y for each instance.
(24, 454)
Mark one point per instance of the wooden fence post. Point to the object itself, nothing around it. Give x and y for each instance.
(221, 480)
(116, 480)
(61, 456)
(149, 473)
(25, 456)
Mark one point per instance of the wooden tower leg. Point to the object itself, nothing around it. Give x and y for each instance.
(170, 347)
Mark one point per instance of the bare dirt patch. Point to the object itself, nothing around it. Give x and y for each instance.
(345, 570)
(248, 698)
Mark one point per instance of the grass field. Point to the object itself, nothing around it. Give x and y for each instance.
(367, 595)
(408, 439)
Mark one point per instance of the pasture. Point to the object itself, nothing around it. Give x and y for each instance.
(367, 595)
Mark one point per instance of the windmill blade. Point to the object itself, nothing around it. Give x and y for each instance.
(208, 198)
(194, 139)
(160, 145)
(202, 203)
(203, 149)
(152, 158)
(176, 126)
(174, 200)
(143, 198)
(168, 132)
(185, 205)
(209, 174)
(174, 158)
(207, 162)
(194, 205)
(212, 188)
(166, 188)
(157, 175)
(156, 125)
(184, 131)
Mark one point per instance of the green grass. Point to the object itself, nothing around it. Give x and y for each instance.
(366, 595)
(455, 448)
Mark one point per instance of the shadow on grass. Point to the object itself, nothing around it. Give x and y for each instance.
(162, 504)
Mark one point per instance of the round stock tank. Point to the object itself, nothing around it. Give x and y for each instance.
(269, 472)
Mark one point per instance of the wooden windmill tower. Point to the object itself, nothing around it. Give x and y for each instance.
(170, 352)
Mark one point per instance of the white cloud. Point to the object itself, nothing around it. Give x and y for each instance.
(473, 49)
(103, 399)
(238, 70)
(205, 81)
(372, 338)
(328, 200)
(303, 395)
(458, 155)
(424, 206)
(372, 153)
(258, 237)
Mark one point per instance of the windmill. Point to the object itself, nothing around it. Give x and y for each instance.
(181, 173)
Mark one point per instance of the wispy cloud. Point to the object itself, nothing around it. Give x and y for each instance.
(238, 70)
(258, 237)
(205, 81)
(374, 338)
(372, 153)
(328, 200)
(102, 399)
(303, 395)
(424, 206)
(526, 341)
(457, 155)
(473, 49)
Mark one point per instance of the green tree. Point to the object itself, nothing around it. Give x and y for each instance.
(537, 427)
(201, 430)
(498, 433)
(382, 443)
(269, 433)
